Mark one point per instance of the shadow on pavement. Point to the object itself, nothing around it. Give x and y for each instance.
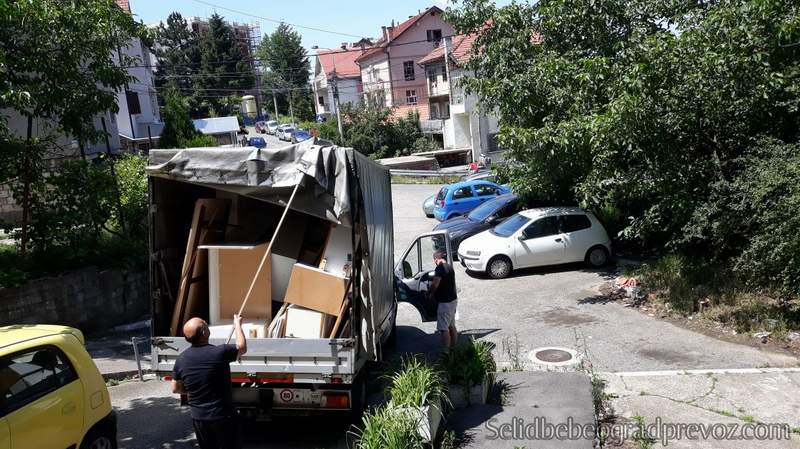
(154, 422)
(607, 273)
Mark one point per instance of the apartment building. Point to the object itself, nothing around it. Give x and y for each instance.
(453, 113)
(336, 70)
(390, 74)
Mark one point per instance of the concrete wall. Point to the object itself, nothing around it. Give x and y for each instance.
(87, 299)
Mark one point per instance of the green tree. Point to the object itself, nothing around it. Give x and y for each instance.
(178, 126)
(225, 72)
(178, 54)
(287, 65)
(638, 108)
(59, 66)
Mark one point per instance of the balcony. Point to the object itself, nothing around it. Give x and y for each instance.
(437, 88)
(432, 126)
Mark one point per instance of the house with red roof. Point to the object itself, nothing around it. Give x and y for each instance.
(390, 74)
(464, 126)
(336, 72)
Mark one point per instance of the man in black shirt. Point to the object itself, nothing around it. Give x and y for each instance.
(203, 373)
(443, 291)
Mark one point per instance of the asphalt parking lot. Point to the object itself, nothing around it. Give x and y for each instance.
(554, 306)
(560, 306)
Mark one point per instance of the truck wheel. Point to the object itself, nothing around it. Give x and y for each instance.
(358, 395)
(99, 438)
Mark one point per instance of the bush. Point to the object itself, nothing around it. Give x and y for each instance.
(468, 363)
(416, 384)
(424, 144)
(326, 130)
(388, 428)
(199, 141)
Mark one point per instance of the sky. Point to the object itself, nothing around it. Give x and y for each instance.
(350, 17)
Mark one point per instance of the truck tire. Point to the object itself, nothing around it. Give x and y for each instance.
(358, 395)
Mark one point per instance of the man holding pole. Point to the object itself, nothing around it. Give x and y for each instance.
(203, 373)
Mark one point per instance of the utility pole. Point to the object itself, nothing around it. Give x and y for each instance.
(275, 102)
(291, 110)
(336, 100)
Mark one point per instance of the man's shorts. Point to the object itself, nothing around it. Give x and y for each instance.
(446, 315)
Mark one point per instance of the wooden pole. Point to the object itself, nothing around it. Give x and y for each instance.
(266, 255)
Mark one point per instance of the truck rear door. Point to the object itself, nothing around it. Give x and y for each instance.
(414, 271)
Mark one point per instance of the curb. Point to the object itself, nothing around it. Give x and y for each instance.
(122, 375)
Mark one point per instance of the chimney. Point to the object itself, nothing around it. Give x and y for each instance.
(385, 35)
(344, 46)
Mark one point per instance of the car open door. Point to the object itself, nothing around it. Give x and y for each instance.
(414, 271)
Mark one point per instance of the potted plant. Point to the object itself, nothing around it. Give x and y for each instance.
(470, 370)
(417, 390)
(388, 428)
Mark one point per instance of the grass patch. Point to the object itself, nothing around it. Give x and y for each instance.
(512, 350)
(747, 418)
(443, 179)
(683, 282)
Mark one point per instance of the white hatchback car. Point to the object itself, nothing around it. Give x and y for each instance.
(536, 237)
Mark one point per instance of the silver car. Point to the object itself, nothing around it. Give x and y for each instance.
(427, 206)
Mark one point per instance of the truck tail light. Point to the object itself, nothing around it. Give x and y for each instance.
(335, 399)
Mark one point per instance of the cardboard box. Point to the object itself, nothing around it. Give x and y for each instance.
(316, 289)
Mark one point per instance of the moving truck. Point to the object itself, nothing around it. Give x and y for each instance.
(324, 304)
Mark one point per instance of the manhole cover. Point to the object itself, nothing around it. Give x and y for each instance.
(553, 355)
(558, 359)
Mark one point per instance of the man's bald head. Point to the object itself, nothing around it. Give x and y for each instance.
(195, 331)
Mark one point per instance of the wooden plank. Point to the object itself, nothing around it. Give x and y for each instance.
(208, 212)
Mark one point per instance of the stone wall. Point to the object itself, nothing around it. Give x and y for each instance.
(88, 299)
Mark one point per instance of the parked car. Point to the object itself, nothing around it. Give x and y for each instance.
(460, 198)
(427, 206)
(53, 394)
(536, 237)
(483, 217)
(257, 142)
(300, 135)
(482, 175)
(271, 127)
(285, 132)
(261, 127)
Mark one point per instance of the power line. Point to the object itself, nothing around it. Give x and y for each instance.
(278, 21)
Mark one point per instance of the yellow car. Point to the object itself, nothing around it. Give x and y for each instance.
(52, 394)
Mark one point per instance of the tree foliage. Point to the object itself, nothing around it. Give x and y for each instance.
(287, 70)
(178, 54)
(643, 109)
(178, 126)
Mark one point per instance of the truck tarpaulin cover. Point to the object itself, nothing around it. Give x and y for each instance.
(328, 176)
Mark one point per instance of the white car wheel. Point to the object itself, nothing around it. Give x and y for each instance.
(597, 256)
(499, 267)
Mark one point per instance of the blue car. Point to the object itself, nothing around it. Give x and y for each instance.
(300, 135)
(257, 142)
(459, 199)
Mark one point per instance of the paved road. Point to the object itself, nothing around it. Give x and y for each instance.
(540, 307)
(272, 141)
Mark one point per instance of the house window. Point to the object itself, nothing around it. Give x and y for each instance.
(444, 73)
(435, 36)
(408, 70)
(411, 96)
(321, 101)
(132, 98)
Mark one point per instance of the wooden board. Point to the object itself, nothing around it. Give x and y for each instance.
(231, 269)
(208, 226)
(315, 289)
